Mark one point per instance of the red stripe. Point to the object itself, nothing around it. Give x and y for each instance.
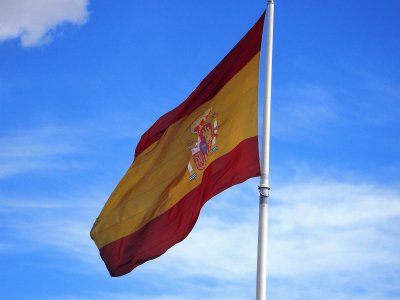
(160, 234)
(236, 59)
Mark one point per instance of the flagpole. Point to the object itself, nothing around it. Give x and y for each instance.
(261, 289)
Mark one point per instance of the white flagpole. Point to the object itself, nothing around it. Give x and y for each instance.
(261, 290)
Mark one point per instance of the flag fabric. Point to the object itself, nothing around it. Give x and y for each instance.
(202, 147)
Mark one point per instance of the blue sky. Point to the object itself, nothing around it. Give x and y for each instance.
(80, 81)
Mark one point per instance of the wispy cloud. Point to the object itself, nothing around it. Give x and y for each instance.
(5, 247)
(115, 296)
(325, 235)
(34, 21)
(193, 291)
(57, 227)
(50, 147)
(375, 99)
(334, 234)
(302, 110)
(218, 250)
(316, 225)
(17, 205)
(44, 148)
(40, 143)
(311, 104)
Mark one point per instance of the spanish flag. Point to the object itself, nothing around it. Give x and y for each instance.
(202, 147)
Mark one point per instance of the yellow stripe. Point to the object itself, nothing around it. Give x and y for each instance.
(159, 177)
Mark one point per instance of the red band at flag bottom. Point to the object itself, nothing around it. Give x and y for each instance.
(157, 236)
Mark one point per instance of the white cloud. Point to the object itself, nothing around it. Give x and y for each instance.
(43, 142)
(326, 238)
(129, 296)
(61, 227)
(40, 149)
(302, 110)
(17, 206)
(379, 104)
(341, 236)
(323, 234)
(218, 250)
(115, 296)
(4, 248)
(54, 147)
(33, 20)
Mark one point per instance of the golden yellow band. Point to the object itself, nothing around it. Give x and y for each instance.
(160, 175)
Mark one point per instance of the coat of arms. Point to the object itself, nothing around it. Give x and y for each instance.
(205, 127)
